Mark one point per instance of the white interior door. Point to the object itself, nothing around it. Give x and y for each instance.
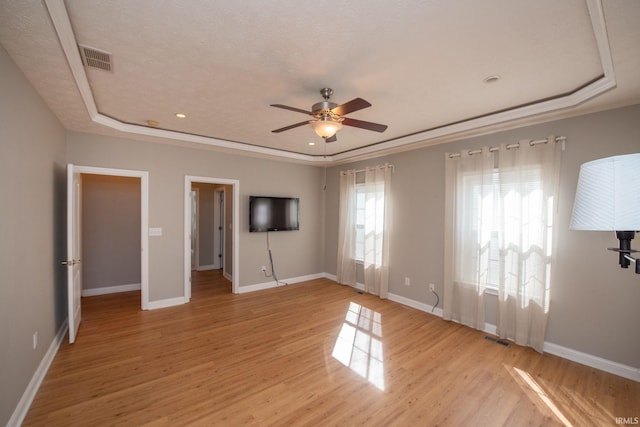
(218, 229)
(194, 229)
(73, 262)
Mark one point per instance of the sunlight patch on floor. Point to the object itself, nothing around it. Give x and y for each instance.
(358, 344)
(535, 387)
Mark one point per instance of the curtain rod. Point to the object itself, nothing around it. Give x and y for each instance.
(514, 145)
(393, 168)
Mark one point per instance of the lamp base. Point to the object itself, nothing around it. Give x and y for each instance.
(625, 251)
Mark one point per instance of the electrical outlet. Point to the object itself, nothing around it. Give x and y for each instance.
(432, 287)
(407, 281)
(263, 269)
(35, 340)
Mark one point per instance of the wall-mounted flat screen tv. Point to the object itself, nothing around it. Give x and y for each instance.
(274, 213)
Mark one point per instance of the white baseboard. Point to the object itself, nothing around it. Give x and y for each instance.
(164, 303)
(273, 284)
(615, 368)
(305, 278)
(330, 277)
(415, 304)
(227, 276)
(207, 267)
(110, 290)
(32, 388)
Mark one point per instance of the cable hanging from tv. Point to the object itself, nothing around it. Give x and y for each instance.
(273, 270)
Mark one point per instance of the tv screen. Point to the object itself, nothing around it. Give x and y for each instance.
(273, 213)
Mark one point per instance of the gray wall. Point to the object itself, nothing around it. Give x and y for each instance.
(594, 303)
(110, 231)
(32, 232)
(296, 253)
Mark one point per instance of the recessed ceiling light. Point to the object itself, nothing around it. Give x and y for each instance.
(181, 115)
(312, 143)
(153, 123)
(491, 79)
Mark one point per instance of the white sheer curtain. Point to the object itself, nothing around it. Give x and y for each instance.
(500, 209)
(376, 192)
(377, 189)
(469, 213)
(529, 180)
(346, 270)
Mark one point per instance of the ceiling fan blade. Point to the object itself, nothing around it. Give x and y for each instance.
(376, 127)
(290, 127)
(333, 138)
(351, 106)
(286, 107)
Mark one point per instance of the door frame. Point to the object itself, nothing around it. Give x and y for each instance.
(144, 219)
(235, 232)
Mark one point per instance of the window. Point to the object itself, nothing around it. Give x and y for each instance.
(490, 222)
(369, 207)
(493, 207)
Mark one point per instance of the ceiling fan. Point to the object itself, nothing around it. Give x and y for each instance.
(328, 116)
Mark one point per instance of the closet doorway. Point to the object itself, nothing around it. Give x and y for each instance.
(74, 261)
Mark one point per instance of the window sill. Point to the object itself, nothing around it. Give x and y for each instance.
(491, 291)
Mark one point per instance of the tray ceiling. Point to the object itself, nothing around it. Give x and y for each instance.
(422, 66)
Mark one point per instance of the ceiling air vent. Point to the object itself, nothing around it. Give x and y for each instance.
(96, 58)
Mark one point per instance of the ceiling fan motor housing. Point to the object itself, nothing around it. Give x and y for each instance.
(323, 105)
(323, 108)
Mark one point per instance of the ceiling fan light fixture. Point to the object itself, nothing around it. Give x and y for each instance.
(325, 127)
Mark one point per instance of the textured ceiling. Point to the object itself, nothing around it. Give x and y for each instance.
(421, 64)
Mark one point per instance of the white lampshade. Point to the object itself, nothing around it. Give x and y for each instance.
(608, 195)
(326, 128)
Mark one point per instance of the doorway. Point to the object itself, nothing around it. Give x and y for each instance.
(74, 237)
(211, 228)
(110, 230)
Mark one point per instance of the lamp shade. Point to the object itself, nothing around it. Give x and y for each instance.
(608, 195)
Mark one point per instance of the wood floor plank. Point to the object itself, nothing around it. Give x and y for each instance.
(311, 354)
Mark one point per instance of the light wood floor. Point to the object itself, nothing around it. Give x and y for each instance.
(280, 356)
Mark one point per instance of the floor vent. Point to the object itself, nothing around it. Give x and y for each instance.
(497, 341)
(95, 58)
